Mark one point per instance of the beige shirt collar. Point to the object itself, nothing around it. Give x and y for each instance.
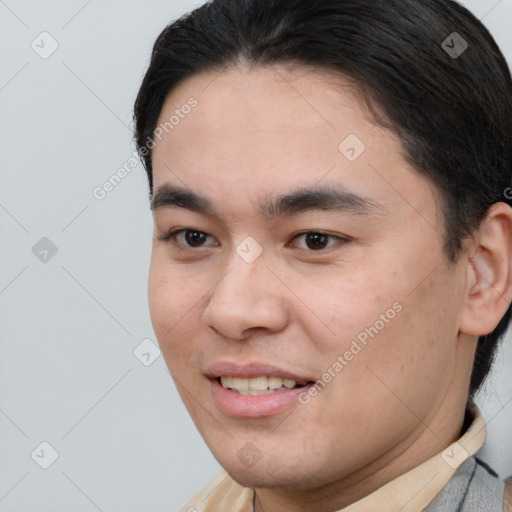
(415, 490)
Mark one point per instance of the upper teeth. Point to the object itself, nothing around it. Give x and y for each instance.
(257, 383)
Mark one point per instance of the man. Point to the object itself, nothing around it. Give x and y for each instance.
(332, 262)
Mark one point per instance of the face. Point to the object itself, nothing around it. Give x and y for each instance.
(349, 290)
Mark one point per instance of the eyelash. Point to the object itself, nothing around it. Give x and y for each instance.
(171, 237)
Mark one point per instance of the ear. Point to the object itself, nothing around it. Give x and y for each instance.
(489, 273)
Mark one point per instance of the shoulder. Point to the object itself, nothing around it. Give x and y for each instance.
(475, 487)
(222, 493)
(485, 491)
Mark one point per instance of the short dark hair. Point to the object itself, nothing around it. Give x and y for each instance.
(452, 111)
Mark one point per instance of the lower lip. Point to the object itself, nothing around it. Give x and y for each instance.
(250, 406)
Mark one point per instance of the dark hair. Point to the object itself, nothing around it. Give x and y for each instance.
(450, 105)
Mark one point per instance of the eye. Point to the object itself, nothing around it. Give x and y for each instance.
(192, 238)
(316, 240)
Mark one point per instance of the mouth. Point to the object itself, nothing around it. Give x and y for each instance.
(255, 390)
(261, 385)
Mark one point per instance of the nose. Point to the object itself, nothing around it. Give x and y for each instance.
(248, 298)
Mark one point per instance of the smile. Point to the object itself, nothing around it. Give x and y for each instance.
(257, 386)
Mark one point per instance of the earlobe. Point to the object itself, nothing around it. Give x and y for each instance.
(489, 279)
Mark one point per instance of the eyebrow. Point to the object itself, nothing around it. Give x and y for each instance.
(301, 200)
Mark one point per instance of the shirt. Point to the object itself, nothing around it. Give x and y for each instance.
(411, 492)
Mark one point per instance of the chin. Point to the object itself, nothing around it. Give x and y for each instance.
(266, 474)
(263, 479)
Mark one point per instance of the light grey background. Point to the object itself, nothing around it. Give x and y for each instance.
(70, 325)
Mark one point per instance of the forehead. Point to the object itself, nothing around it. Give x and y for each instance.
(251, 103)
(258, 130)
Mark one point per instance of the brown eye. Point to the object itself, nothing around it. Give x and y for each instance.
(188, 238)
(194, 238)
(317, 241)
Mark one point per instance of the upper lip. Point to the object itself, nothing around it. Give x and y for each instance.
(251, 370)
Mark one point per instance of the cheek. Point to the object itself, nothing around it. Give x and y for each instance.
(387, 318)
(408, 354)
(173, 302)
(160, 298)
(350, 301)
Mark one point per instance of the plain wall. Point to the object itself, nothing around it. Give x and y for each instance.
(70, 321)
